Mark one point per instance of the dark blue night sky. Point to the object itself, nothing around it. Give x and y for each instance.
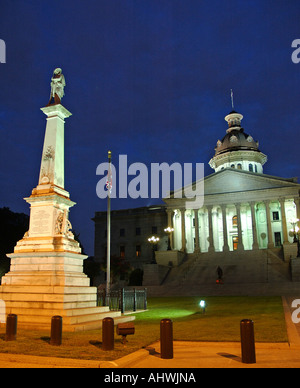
(147, 78)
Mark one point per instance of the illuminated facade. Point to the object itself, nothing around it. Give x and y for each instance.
(244, 225)
(243, 209)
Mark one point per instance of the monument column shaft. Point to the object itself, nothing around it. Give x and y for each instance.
(52, 163)
(49, 202)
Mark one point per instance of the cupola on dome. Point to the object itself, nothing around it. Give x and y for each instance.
(237, 149)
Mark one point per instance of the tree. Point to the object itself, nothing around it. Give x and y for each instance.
(136, 277)
(12, 228)
(91, 268)
(119, 268)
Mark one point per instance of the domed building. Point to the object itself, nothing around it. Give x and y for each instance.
(246, 216)
(242, 223)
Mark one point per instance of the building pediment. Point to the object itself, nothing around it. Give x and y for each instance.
(234, 181)
(237, 185)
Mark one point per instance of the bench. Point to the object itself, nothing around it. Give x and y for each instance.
(125, 329)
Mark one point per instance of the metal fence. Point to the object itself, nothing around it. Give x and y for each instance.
(123, 299)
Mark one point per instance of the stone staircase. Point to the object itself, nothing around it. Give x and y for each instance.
(155, 274)
(257, 272)
(278, 269)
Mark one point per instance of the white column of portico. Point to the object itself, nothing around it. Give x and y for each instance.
(225, 233)
(239, 225)
(202, 235)
(197, 245)
(254, 231)
(270, 237)
(170, 224)
(297, 203)
(183, 239)
(215, 218)
(211, 247)
(283, 220)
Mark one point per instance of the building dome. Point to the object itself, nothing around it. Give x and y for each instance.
(236, 140)
(237, 149)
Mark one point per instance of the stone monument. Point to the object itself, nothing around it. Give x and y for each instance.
(46, 273)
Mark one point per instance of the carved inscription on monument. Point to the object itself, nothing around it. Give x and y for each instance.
(41, 222)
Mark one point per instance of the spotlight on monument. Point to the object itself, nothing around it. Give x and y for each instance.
(202, 304)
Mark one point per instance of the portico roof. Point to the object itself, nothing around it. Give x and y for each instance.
(232, 185)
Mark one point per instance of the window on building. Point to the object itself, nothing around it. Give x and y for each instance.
(239, 166)
(234, 221)
(138, 251)
(122, 232)
(275, 216)
(251, 167)
(235, 242)
(232, 166)
(138, 231)
(122, 251)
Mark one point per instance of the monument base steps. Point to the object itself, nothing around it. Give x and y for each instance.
(43, 284)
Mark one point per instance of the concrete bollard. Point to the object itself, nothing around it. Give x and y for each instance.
(166, 338)
(247, 341)
(108, 334)
(56, 330)
(11, 327)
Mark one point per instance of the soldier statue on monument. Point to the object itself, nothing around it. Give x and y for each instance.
(57, 86)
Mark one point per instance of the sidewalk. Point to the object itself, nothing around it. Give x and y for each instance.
(210, 355)
(8, 360)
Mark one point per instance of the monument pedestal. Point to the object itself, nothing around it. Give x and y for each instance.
(43, 284)
(46, 273)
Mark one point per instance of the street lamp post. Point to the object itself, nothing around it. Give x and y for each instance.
(169, 230)
(153, 240)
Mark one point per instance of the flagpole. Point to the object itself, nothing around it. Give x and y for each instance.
(108, 234)
(232, 99)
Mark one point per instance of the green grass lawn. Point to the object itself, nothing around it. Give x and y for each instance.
(221, 322)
